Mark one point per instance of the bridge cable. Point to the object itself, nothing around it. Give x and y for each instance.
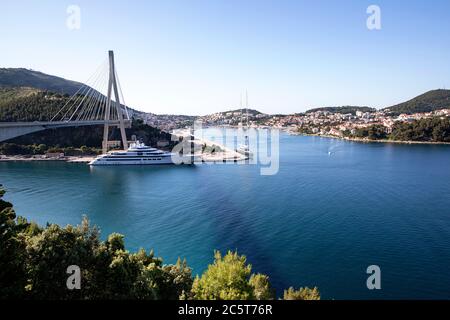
(82, 100)
(82, 94)
(98, 99)
(74, 95)
(121, 95)
(90, 97)
(92, 102)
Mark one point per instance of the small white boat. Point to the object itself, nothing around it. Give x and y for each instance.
(244, 148)
(139, 154)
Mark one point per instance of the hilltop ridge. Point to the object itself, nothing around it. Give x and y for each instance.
(21, 77)
(429, 101)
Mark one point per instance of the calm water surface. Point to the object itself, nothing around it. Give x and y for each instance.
(333, 209)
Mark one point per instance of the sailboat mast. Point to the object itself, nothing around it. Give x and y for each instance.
(246, 107)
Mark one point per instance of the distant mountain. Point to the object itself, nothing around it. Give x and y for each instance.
(20, 77)
(429, 101)
(343, 109)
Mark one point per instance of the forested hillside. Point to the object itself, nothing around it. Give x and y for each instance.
(21, 77)
(29, 104)
(424, 130)
(429, 101)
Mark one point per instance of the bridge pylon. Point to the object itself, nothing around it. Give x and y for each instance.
(112, 86)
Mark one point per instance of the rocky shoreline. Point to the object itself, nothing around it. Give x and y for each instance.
(21, 158)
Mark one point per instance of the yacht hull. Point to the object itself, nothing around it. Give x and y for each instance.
(141, 162)
(128, 162)
(142, 155)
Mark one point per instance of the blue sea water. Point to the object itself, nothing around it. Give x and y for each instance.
(334, 208)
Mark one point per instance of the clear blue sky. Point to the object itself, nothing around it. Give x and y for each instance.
(195, 57)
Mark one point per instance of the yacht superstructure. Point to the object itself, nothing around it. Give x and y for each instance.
(137, 154)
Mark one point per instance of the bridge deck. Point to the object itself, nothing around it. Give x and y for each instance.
(9, 130)
(61, 123)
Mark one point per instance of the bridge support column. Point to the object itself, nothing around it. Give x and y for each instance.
(112, 85)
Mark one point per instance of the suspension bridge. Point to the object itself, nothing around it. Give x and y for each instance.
(91, 105)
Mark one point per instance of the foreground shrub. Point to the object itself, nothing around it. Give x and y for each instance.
(229, 278)
(302, 294)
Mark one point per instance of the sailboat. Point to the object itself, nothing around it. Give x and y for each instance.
(244, 148)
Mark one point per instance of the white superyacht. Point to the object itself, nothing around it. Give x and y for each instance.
(137, 154)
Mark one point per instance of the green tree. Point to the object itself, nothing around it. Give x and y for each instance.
(108, 270)
(374, 132)
(230, 278)
(176, 281)
(12, 252)
(52, 251)
(261, 287)
(430, 129)
(301, 294)
(377, 132)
